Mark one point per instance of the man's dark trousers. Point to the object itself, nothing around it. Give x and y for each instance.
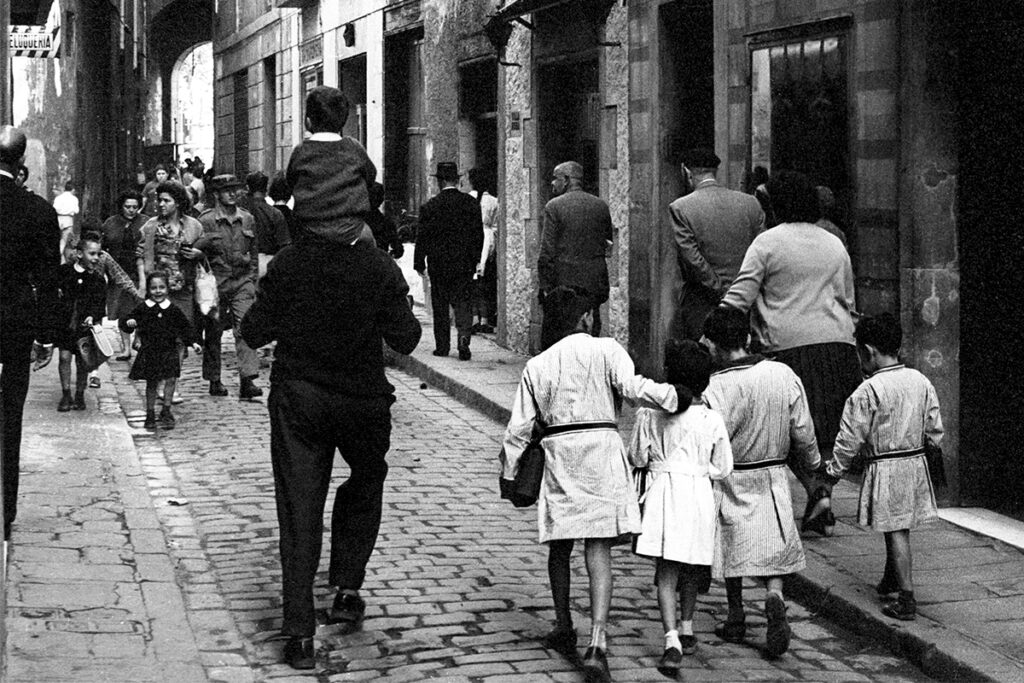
(445, 294)
(14, 380)
(307, 423)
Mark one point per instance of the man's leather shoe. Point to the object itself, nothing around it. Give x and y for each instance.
(64, 405)
(348, 608)
(440, 352)
(218, 389)
(299, 653)
(562, 640)
(249, 389)
(464, 353)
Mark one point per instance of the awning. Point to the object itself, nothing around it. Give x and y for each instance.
(30, 11)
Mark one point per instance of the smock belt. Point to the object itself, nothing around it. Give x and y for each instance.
(892, 455)
(577, 427)
(760, 465)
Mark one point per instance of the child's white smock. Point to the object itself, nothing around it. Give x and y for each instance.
(683, 454)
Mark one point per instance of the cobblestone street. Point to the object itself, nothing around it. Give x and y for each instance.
(457, 587)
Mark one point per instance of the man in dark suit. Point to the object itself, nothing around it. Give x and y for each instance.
(577, 233)
(713, 227)
(29, 260)
(328, 394)
(448, 244)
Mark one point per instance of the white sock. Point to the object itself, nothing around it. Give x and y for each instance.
(686, 627)
(778, 593)
(672, 640)
(598, 637)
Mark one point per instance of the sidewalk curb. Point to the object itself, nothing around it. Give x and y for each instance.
(940, 652)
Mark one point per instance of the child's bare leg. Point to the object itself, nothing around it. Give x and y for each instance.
(64, 368)
(898, 544)
(169, 384)
(598, 553)
(559, 553)
(666, 577)
(151, 387)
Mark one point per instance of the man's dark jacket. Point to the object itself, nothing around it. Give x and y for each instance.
(272, 233)
(329, 305)
(450, 238)
(29, 259)
(577, 229)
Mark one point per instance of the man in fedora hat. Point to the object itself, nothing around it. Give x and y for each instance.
(713, 227)
(448, 244)
(229, 239)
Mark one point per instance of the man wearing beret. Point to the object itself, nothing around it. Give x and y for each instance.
(229, 238)
(713, 227)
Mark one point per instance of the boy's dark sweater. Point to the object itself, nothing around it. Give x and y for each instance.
(330, 181)
(329, 306)
(81, 295)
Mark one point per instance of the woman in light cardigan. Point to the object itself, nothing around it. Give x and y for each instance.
(797, 282)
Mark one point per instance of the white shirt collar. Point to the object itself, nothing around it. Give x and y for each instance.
(164, 305)
(6, 174)
(78, 268)
(324, 137)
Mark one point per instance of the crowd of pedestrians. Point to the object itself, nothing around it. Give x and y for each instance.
(763, 371)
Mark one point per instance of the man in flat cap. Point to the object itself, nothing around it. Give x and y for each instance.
(229, 239)
(448, 244)
(713, 227)
(574, 243)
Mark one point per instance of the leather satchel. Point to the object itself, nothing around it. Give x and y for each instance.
(526, 485)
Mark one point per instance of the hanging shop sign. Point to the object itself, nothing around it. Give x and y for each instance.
(34, 41)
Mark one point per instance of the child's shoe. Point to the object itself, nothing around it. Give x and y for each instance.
(595, 666)
(670, 662)
(777, 639)
(150, 422)
(94, 382)
(732, 631)
(65, 404)
(688, 644)
(904, 608)
(79, 403)
(562, 640)
(166, 419)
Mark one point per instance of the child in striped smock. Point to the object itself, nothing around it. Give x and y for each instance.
(683, 452)
(891, 417)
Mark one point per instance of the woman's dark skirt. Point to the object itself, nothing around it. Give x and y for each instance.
(830, 373)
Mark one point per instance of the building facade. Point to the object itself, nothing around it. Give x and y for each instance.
(860, 94)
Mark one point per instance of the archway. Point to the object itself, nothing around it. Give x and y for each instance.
(192, 103)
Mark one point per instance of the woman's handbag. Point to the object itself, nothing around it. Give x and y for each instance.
(206, 287)
(936, 465)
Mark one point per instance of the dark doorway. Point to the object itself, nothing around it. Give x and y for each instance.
(569, 122)
(404, 126)
(685, 119)
(352, 81)
(478, 105)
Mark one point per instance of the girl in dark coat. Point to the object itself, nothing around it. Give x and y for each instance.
(162, 328)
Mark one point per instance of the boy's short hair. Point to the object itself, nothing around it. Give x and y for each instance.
(727, 327)
(326, 109)
(89, 235)
(881, 331)
(564, 306)
(256, 182)
(279, 189)
(687, 363)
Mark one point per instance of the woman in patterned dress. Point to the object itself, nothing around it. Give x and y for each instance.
(891, 418)
(166, 246)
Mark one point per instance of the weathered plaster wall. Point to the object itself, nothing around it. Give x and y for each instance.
(519, 232)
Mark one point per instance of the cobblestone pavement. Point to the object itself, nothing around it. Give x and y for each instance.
(457, 587)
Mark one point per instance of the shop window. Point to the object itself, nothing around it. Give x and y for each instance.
(799, 105)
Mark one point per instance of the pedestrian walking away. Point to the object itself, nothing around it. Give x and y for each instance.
(893, 418)
(229, 240)
(682, 454)
(574, 244)
(573, 389)
(67, 207)
(30, 314)
(162, 329)
(712, 226)
(448, 246)
(767, 418)
(329, 306)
